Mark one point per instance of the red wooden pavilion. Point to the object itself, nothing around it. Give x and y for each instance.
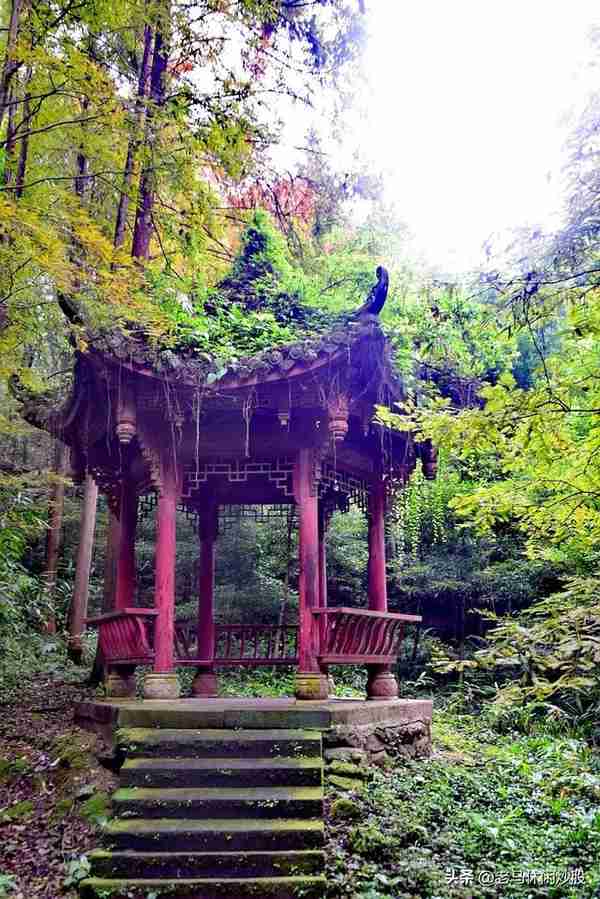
(289, 426)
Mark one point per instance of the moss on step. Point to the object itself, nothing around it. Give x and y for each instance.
(232, 888)
(348, 784)
(347, 769)
(206, 864)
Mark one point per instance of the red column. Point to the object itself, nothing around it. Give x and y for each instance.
(381, 683)
(205, 683)
(322, 624)
(377, 574)
(126, 567)
(163, 682)
(120, 679)
(311, 683)
(322, 559)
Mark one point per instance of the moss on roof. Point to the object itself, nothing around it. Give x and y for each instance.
(253, 323)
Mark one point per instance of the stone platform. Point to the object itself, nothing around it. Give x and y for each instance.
(350, 727)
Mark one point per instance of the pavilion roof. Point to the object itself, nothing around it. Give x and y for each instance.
(192, 369)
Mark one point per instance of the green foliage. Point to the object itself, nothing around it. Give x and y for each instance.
(77, 870)
(552, 654)
(421, 513)
(17, 812)
(488, 807)
(96, 809)
(8, 883)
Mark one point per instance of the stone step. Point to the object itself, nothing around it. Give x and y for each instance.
(232, 835)
(243, 888)
(253, 715)
(140, 741)
(222, 772)
(220, 802)
(206, 864)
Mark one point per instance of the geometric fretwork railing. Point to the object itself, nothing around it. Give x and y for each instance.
(256, 644)
(125, 636)
(359, 636)
(240, 644)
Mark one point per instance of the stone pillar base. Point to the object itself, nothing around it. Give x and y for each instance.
(161, 686)
(120, 685)
(381, 683)
(206, 684)
(311, 686)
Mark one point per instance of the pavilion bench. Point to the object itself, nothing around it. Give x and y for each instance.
(344, 635)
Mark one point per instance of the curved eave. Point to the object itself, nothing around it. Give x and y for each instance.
(232, 381)
(54, 417)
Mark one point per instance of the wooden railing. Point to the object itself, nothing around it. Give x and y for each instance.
(345, 636)
(239, 644)
(125, 636)
(359, 636)
(256, 644)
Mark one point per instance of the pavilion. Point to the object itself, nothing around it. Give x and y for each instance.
(293, 425)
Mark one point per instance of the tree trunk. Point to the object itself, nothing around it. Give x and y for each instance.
(55, 520)
(9, 152)
(136, 136)
(79, 603)
(142, 232)
(11, 63)
(24, 138)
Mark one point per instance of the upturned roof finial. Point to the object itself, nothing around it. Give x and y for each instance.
(378, 294)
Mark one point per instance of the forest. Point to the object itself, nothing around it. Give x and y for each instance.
(140, 190)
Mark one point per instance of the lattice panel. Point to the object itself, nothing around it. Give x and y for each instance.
(230, 515)
(278, 471)
(333, 481)
(147, 505)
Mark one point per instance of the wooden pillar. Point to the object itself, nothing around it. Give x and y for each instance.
(120, 580)
(205, 683)
(311, 682)
(322, 624)
(322, 558)
(163, 682)
(381, 683)
(377, 573)
(126, 567)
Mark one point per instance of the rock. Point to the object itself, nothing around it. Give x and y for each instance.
(347, 754)
(347, 769)
(345, 809)
(345, 783)
(375, 743)
(381, 759)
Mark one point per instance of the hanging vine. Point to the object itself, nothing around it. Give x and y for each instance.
(420, 514)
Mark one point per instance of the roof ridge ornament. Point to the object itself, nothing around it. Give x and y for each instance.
(377, 296)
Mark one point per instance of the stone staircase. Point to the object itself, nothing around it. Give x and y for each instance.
(214, 814)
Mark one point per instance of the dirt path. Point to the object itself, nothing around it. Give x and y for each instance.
(53, 793)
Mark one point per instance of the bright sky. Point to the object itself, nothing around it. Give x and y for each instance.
(468, 113)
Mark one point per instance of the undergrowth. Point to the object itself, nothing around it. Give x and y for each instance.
(488, 815)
